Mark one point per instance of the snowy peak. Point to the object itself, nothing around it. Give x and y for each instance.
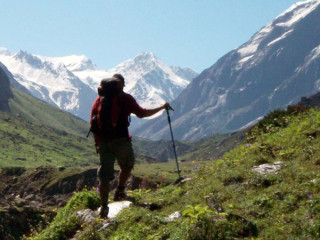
(151, 81)
(70, 82)
(270, 37)
(147, 78)
(73, 63)
(49, 81)
(26, 58)
(144, 64)
(280, 28)
(145, 59)
(53, 75)
(295, 13)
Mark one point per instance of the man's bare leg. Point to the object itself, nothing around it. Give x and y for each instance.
(104, 188)
(120, 193)
(123, 177)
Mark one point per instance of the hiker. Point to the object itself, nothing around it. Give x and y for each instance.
(116, 144)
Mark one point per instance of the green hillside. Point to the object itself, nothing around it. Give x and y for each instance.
(227, 198)
(213, 147)
(36, 111)
(30, 144)
(35, 133)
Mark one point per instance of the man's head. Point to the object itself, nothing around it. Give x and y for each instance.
(120, 77)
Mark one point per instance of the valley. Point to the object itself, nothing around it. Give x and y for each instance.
(246, 130)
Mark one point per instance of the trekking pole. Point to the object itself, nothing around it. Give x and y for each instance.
(174, 146)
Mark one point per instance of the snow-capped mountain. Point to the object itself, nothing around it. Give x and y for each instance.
(49, 81)
(147, 78)
(151, 81)
(70, 82)
(275, 68)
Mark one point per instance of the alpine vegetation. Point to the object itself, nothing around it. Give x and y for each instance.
(227, 198)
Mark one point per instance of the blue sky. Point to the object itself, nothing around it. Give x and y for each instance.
(185, 33)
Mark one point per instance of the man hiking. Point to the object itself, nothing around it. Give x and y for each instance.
(114, 142)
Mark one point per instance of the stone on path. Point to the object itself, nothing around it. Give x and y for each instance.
(88, 215)
(116, 207)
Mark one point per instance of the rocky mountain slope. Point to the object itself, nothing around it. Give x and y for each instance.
(276, 67)
(5, 91)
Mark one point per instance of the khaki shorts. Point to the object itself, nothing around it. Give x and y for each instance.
(120, 149)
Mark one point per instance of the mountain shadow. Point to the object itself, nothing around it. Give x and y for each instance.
(5, 91)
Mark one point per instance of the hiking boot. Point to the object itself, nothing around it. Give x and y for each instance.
(103, 212)
(120, 195)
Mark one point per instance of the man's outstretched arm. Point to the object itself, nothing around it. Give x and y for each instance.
(150, 112)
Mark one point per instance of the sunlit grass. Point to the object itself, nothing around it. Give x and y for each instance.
(226, 198)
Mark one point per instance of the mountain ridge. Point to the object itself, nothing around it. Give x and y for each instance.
(267, 72)
(70, 82)
(46, 135)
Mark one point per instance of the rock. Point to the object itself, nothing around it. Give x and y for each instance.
(105, 225)
(265, 169)
(30, 197)
(116, 207)
(87, 215)
(172, 216)
(185, 180)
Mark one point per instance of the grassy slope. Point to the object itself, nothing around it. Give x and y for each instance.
(213, 147)
(27, 144)
(226, 199)
(36, 111)
(159, 150)
(37, 134)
